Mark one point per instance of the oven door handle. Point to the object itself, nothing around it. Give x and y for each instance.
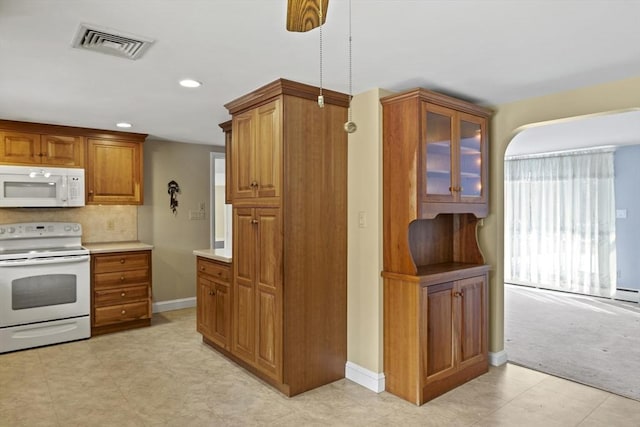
(43, 261)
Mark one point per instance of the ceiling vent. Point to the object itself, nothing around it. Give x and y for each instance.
(111, 42)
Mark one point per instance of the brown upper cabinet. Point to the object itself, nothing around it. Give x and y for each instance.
(112, 160)
(22, 148)
(443, 140)
(256, 144)
(114, 172)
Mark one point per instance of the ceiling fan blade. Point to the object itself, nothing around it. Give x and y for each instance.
(302, 15)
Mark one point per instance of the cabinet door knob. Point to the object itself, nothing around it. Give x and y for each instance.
(458, 294)
(254, 221)
(123, 312)
(254, 184)
(123, 294)
(122, 278)
(202, 268)
(121, 260)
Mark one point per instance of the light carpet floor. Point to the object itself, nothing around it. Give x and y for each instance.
(593, 341)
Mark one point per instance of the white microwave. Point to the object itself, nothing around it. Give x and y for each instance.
(38, 187)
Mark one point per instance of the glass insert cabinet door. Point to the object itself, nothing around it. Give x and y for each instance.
(470, 160)
(452, 155)
(438, 154)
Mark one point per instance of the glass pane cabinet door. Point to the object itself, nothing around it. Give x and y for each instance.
(438, 154)
(470, 159)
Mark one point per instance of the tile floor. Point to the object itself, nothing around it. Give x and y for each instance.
(164, 376)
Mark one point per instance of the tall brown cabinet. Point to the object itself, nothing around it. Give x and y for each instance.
(289, 193)
(435, 151)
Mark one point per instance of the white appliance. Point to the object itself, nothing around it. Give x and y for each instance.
(44, 285)
(31, 186)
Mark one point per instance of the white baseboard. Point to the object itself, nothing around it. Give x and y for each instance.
(498, 358)
(176, 304)
(364, 377)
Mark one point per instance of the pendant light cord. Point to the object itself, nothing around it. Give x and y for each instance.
(320, 97)
(350, 66)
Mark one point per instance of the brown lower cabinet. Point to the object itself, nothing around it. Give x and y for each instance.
(435, 329)
(214, 301)
(120, 291)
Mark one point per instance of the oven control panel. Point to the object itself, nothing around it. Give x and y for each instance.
(27, 230)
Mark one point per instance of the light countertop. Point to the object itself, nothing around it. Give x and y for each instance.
(223, 255)
(100, 248)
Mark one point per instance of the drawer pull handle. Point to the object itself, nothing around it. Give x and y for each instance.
(458, 294)
(123, 312)
(121, 260)
(202, 268)
(123, 294)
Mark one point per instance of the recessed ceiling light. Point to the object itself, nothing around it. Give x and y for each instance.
(123, 125)
(190, 83)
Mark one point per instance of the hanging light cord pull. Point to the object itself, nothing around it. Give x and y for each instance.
(350, 66)
(350, 126)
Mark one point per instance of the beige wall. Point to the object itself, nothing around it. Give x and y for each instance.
(364, 289)
(508, 118)
(174, 237)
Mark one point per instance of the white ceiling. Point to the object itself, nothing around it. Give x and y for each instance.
(487, 51)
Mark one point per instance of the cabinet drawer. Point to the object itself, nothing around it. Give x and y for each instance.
(215, 270)
(121, 261)
(103, 280)
(121, 295)
(121, 313)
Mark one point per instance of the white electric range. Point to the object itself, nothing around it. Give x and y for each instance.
(44, 285)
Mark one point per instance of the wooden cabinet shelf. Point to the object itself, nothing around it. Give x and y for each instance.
(435, 278)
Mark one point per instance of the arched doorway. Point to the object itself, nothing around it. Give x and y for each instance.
(560, 333)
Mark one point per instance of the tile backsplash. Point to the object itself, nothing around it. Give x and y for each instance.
(100, 223)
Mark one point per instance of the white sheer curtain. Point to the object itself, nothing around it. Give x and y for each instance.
(560, 222)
